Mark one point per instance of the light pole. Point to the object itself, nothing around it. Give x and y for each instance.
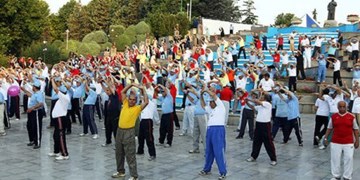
(190, 10)
(44, 50)
(187, 9)
(67, 39)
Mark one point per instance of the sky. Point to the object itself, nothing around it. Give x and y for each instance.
(267, 10)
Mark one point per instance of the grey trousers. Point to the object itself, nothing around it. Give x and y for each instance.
(126, 148)
(200, 126)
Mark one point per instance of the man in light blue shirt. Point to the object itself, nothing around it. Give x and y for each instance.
(2, 111)
(35, 114)
(280, 102)
(190, 102)
(200, 122)
(293, 118)
(78, 92)
(88, 111)
(167, 121)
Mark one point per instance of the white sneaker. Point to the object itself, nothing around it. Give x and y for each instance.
(322, 147)
(3, 134)
(54, 154)
(250, 159)
(62, 158)
(133, 178)
(95, 136)
(17, 119)
(273, 163)
(83, 134)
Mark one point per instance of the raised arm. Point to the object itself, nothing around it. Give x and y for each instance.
(123, 92)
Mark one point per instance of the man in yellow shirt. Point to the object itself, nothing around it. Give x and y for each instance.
(125, 136)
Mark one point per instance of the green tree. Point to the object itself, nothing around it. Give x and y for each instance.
(284, 20)
(224, 10)
(79, 23)
(115, 31)
(52, 55)
(162, 24)
(59, 21)
(99, 13)
(251, 18)
(99, 37)
(21, 22)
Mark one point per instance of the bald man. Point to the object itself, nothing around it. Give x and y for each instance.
(345, 129)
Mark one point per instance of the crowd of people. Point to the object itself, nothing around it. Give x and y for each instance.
(126, 88)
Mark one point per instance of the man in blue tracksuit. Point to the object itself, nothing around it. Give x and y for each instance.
(321, 69)
(88, 111)
(215, 136)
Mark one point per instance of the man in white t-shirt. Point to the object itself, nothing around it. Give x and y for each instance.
(337, 66)
(262, 134)
(355, 49)
(322, 116)
(266, 83)
(215, 136)
(240, 83)
(59, 114)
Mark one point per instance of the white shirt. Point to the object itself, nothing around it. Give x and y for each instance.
(206, 75)
(61, 105)
(264, 112)
(241, 83)
(333, 103)
(349, 48)
(292, 72)
(355, 46)
(323, 107)
(356, 105)
(284, 59)
(148, 111)
(318, 41)
(229, 57)
(210, 56)
(337, 65)
(266, 85)
(4, 89)
(305, 42)
(98, 88)
(216, 115)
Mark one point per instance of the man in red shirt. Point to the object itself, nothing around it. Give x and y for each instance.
(226, 96)
(276, 58)
(280, 43)
(345, 130)
(173, 92)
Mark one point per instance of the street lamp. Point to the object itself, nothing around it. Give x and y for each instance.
(187, 9)
(44, 50)
(67, 39)
(190, 10)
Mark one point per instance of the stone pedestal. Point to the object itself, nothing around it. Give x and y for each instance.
(330, 23)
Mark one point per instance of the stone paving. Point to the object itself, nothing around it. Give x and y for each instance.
(88, 160)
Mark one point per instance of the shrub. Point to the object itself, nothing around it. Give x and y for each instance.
(142, 28)
(52, 55)
(4, 60)
(58, 43)
(105, 45)
(122, 41)
(91, 48)
(99, 37)
(115, 31)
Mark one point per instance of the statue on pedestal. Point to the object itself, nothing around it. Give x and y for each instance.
(176, 32)
(331, 10)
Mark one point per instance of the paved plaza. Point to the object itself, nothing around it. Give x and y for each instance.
(89, 161)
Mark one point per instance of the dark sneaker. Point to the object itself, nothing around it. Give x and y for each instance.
(118, 175)
(204, 173)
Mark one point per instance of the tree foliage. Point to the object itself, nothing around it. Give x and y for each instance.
(251, 18)
(58, 21)
(99, 14)
(52, 54)
(162, 24)
(224, 10)
(99, 37)
(115, 31)
(284, 20)
(21, 22)
(79, 23)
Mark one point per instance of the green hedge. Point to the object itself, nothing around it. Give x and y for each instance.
(99, 37)
(52, 55)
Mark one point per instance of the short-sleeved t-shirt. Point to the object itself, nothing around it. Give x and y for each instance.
(128, 115)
